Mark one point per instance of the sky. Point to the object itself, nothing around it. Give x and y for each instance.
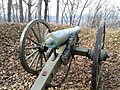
(52, 5)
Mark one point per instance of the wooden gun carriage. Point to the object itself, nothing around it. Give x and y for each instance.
(42, 52)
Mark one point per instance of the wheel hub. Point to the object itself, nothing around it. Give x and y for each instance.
(102, 57)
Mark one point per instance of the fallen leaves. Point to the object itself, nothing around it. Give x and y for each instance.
(14, 77)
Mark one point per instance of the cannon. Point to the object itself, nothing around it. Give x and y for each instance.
(42, 52)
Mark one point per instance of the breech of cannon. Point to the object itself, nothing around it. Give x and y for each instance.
(48, 50)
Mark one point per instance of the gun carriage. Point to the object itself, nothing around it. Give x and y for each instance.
(42, 52)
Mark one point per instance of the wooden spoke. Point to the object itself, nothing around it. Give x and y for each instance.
(37, 61)
(42, 32)
(36, 55)
(31, 54)
(39, 31)
(33, 41)
(46, 32)
(31, 44)
(41, 60)
(35, 35)
(32, 47)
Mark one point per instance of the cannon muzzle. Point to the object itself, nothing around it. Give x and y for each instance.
(57, 38)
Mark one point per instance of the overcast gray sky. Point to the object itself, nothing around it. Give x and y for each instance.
(52, 5)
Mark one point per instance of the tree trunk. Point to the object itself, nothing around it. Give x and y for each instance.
(29, 13)
(98, 7)
(82, 12)
(45, 12)
(48, 15)
(13, 11)
(21, 11)
(0, 16)
(39, 8)
(9, 10)
(26, 15)
(71, 14)
(57, 12)
(29, 4)
(36, 14)
(3, 10)
(63, 12)
(16, 11)
(29, 10)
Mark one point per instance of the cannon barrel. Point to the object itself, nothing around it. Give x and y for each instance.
(57, 38)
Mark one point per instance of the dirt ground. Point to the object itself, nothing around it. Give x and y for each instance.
(14, 77)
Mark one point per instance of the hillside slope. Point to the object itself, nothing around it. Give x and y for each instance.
(13, 76)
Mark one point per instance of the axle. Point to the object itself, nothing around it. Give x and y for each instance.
(51, 67)
(89, 53)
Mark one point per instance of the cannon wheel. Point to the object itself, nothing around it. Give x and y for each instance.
(31, 47)
(100, 38)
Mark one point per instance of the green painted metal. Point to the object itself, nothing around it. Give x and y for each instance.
(51, 49)
(49, 70)
(81, 51)
(88, 52)
(57, 38)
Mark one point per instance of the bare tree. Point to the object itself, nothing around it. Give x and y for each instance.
(84, 6)
(48, 14)
(46, 8)
(16, 10)
(21, 10)
(25, 19)
(57, 12)
(109, 14)
(13, 12)
(71, 13)
(66, 18)
(118, 15)
(39, 8)
(3, 10)
(34, 11)
(97, 8)
(75, 12)
(9, 10)
(36, 14)
(29, 4)
(88, 18)
(113, 17)
(0, 12)
(65, 4)
(70, 9)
